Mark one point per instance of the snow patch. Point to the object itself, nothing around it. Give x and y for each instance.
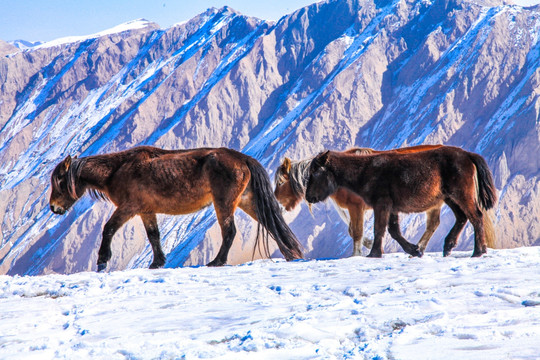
(130, 25)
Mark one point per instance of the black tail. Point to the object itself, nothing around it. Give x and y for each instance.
(269, 214)
(487, 194)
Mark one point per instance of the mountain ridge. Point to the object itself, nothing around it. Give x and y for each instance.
(387, 74)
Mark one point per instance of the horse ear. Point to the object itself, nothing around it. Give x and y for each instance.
(67, 162)
(286, 165)
(322, 159)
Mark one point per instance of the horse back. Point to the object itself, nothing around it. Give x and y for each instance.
(174, 181)
(345, 197)
(412, 181)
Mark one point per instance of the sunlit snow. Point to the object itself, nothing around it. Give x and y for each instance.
(391, 308)
(130, 25)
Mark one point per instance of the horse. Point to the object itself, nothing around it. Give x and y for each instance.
(146, 180)
(290, 188)
(415, 182)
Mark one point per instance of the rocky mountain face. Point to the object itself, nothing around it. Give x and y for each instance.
(336, 74)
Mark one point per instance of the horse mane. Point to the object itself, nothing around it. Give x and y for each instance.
(98, 195)
(359, 151)
(298, 176)
(72, 177)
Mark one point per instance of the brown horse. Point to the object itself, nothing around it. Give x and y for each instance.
(146, 180)
(391, 183)
(291, 180)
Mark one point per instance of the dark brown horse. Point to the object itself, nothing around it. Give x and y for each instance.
(146, 180)
(291, 181)
(391, 183)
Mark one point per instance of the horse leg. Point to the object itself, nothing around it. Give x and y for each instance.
(433, 221)
(118, 218)
(450, 241)
(464, 195)
(475, 216)
(152, 231)
(356, 228)
(226, 200)
(381, 215)
(480, 246)
(228, 232)
(395, 232)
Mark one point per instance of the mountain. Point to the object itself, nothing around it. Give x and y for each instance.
(25, 44)
(335, 74)
(6, 48)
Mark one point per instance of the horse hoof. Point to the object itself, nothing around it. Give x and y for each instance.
(477, 254)
(374, 255)
(215, 263)
(157, 263)
(101, 267)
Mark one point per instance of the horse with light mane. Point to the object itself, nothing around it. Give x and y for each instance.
(290, 189)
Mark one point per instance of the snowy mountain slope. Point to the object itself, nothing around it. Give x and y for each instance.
(331, 75)
(357, 308)
(23, 45)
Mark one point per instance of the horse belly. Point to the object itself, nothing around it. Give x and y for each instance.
(418, 205)
(418, 196)
(181, 204)
(174, 198)
(180, 185)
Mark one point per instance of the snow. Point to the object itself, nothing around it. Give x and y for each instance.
(24, 44)
(130, 25)
(391, 308)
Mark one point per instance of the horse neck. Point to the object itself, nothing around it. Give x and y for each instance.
(96, 170)
(348, 170)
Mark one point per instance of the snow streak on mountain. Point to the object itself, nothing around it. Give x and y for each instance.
(336, 74)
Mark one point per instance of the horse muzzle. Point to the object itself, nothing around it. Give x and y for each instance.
(312, 199)
(58, 209)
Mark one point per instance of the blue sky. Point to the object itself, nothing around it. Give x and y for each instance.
(51, 19)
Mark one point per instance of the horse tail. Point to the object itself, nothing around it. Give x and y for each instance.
(486, 194)
(489, 229)
(269, 215)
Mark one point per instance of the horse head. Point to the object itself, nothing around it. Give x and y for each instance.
(285, 192)
(65, 191)
(322, 182)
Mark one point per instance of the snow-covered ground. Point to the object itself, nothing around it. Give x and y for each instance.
(391, 308)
